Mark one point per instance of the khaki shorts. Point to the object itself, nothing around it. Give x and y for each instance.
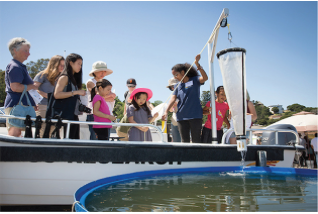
(7, 112)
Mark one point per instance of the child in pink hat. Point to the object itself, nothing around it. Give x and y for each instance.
(139, 112)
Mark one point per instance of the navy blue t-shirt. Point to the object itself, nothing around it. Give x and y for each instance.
(189, 105)
(16, 72)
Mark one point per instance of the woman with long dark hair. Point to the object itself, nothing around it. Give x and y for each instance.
(189, 114)
(67, 92)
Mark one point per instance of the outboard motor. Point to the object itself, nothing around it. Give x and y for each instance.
(284, 138)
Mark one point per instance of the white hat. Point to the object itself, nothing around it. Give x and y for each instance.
(100, 66)
(172, 82)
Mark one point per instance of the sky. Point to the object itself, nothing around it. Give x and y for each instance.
(144, 40)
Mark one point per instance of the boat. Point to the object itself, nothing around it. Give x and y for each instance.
(43, 171)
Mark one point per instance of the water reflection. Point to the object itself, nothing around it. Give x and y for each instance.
(208, 192)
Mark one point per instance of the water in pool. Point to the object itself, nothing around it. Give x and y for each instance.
(208, 192)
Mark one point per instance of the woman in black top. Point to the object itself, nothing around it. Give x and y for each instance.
(68, 90)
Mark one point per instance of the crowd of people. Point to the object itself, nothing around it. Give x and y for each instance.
(60, 85)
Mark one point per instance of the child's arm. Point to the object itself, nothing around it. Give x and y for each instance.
(110, 97)
(206, 110)
(151, 119)
(101, 114)
(141, 128)
(227, 122)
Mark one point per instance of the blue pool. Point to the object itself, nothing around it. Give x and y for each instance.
(262, 189)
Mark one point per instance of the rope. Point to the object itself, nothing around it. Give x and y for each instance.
(212, 35)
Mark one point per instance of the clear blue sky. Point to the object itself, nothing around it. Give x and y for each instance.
(144, 40)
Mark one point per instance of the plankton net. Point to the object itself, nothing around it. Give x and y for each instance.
(232, 65)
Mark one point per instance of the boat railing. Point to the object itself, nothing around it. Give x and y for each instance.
(69, 122)
(263, 130)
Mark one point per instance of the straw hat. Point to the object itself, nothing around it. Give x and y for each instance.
(172, 82)
(145, 90)
(100, 66)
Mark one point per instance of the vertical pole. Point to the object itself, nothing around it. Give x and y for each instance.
(213, 114)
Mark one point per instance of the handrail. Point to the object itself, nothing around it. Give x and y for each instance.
(264, 130)
(69, 122)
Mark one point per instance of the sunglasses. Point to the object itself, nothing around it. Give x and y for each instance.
(131, 86)
(18, 43)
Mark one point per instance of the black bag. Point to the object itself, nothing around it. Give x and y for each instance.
(64, 108)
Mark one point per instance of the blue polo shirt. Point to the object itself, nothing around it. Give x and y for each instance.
(189, 105)
(16, 72)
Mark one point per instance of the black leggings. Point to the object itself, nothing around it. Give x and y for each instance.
(194, 126)
(102, 133)
(74, 130)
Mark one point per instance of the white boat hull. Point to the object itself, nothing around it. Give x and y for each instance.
(40, 183)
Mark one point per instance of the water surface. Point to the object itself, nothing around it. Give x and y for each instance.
(208, 192)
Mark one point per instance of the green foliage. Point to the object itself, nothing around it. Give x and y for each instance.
(205, 97)
(35, 67)
(3, 94)
(84, 86)
(118, 110)
(296, 107)
(275, 110)
(157, 102)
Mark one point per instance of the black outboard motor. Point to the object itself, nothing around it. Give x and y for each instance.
(284, 138)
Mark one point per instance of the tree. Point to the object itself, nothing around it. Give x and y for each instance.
(118, 110)
(83, 86)
(157, 102)
(35, 67)
(3, 94)
(296, 107)
(205, 97)
(275, 110)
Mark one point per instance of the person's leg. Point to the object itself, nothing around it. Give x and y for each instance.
(90, 117)
(206, 136)
(74, 130)
(195, 127)
(184, 129)
(102, 133)
(220, 135)
(175, 133)
(12, 130)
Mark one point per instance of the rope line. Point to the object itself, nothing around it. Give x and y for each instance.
(212, 35)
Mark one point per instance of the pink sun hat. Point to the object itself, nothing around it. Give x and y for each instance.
(145, 90)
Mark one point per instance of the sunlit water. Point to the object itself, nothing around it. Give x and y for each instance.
(208, 192)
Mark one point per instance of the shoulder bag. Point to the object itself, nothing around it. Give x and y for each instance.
(20, 110)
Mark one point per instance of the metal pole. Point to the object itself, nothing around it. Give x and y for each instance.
(212, 104)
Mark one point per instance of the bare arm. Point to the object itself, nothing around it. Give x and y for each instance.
(90, 86)
(206, 110)
(125, 108)
(61, 83)
(42, 93)
(151, 119)
(252, 110)
(18, 87)
(101, 114)
(203, 76)
(227, 122)
(110, 97)
(171, 103)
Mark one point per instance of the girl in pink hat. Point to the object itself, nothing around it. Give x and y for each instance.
(139, 112)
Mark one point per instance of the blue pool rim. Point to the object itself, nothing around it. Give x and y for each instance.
(81, 194)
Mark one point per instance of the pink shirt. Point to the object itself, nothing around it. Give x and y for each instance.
(221, 109)
(104, 109)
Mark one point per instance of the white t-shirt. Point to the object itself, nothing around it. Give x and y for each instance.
(314, 143)
(90, 105)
